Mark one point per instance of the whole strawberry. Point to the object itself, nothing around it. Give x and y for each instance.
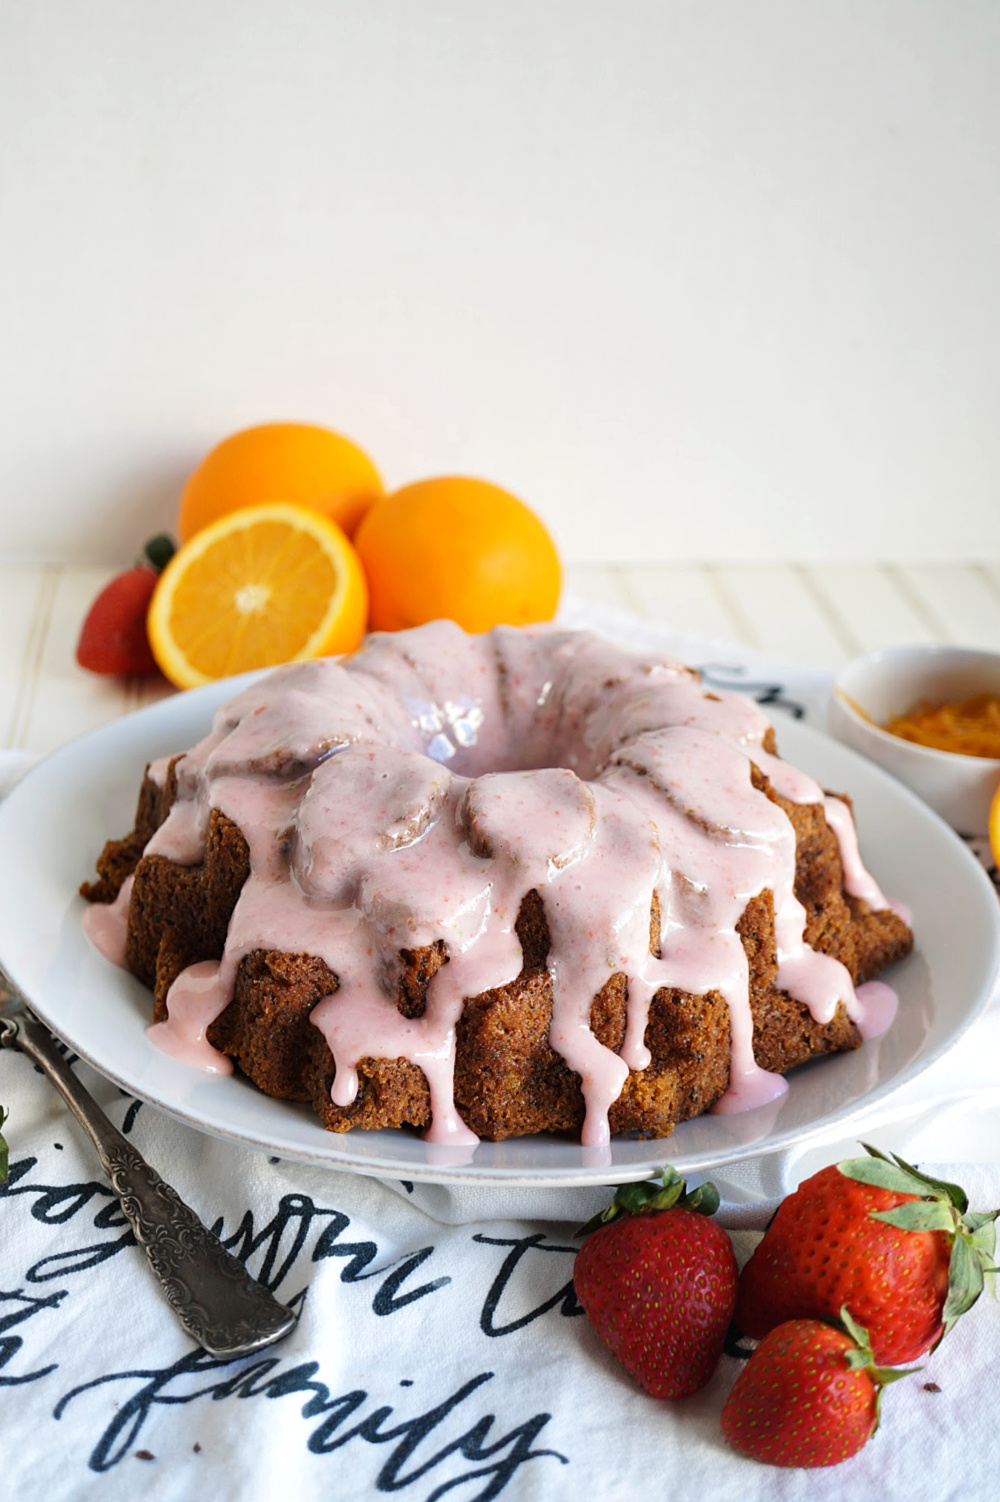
(898, 1248)
(808, 1396)
(657, 1278)
(113, 637)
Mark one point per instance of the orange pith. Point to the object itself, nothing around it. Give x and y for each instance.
(460, 549)
(264, 585)
(280, 461)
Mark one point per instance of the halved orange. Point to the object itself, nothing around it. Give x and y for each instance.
(261, 586)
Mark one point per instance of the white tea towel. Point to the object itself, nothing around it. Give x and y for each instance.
(435, 1355)
(440, 1351)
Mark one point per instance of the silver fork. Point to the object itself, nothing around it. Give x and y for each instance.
(218, 1303)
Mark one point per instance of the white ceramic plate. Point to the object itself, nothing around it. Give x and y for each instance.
(55, 822)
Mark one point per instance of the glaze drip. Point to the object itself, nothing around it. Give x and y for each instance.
(415, 793)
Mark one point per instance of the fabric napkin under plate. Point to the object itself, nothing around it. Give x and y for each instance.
(440, 1350)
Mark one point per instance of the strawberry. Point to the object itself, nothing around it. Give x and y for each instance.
(808, 1396)
(657, 1279)
(899, 1248)
(113, 637)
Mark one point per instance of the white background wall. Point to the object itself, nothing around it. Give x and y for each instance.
(698, 278)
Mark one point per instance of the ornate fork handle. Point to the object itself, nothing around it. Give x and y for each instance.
(210, 1291)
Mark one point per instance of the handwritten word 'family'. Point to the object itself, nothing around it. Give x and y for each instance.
(298, 1233)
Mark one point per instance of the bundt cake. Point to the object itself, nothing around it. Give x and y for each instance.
(495, 885)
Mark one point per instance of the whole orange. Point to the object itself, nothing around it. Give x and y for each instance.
(281, 461)
(458, 549)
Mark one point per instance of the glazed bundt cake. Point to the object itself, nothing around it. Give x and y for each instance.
(496, 885)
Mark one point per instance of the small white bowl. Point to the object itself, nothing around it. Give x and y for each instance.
(959, 788)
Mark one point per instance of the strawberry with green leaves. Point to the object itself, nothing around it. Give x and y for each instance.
(808, 1396)
(900, 1249)
(113, 637)
(657, 1278)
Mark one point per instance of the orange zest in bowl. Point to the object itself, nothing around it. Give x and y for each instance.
(281, 461)
(459, 549)
(968, 727)
(261, 586)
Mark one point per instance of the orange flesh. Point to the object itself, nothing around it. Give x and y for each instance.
(220, 644)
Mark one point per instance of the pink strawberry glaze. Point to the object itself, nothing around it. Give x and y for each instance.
(193, 1003)
(418, 790)
(106, 924)
(879, 1004)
